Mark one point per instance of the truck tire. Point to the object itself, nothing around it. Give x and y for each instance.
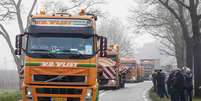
(123, 85)
(122, 82)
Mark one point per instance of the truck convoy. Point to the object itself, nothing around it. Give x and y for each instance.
(149, 66)
(59, 57)
(110, 74)
(135, 71)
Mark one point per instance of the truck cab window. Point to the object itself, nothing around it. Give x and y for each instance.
(61, 45)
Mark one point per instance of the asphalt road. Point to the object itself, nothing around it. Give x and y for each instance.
(132, 92)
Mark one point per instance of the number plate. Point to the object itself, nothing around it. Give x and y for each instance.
(59, 99)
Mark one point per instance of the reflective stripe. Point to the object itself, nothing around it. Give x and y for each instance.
(111, 70)
(107, 73)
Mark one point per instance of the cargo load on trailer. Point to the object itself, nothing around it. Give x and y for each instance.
(135, 72)
(111, 75)
(59, 54)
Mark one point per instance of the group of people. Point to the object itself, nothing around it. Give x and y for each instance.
(178, 85)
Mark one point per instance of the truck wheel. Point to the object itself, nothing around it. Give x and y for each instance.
(123, 85)
(122, 82)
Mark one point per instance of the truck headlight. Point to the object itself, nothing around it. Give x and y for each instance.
(113, 81)
(29, 92)
(89, 94)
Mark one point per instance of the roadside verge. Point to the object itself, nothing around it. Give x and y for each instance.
(153, 96)
(6, 95)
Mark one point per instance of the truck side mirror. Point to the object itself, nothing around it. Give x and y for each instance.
(18, 44)
(103, 46)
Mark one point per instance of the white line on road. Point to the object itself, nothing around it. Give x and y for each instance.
(103, 93)
(145, 95)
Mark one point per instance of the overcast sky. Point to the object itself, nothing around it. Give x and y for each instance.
(115, 8)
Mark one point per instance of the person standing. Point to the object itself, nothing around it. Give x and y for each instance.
(176, 85)
(154, 80)
(180, 85)
(161, 86)
(170, 85)
(188, 84)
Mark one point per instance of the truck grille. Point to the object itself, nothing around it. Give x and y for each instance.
(59, 99)
(58, 91)
(59, 78)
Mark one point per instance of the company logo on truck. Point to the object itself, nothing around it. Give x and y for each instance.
(59, 64)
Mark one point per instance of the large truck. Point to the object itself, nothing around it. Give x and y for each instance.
(135, 72)
(59, 57)
(111, 73)
(149, 66)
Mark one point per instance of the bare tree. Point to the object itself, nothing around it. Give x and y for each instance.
(163, 26)
(116, 33)
(90, 6)
(187, 14)
(192, 8)
(11, 10)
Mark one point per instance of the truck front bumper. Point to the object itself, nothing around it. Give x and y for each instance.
(59, 93)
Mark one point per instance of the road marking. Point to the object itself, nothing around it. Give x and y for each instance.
(145, 95)
(103, 93)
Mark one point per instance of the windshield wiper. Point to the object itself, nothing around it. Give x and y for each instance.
(56, 78)
(77, 53)
(43, 50)
(48, 53)
(52, 53)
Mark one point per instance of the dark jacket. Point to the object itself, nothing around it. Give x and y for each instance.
(180, 82)
(170, 82)
(188, 81)
(160, 79)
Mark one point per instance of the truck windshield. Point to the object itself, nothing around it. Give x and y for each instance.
(130, 65)
(60, 46)
(113, 57)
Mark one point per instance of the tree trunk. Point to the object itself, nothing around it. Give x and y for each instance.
(197, 69)
(189, 55)
(197, 51)
(179, 55)
(179, 63)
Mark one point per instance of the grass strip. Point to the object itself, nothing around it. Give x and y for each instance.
(8, 95)
(154, 97)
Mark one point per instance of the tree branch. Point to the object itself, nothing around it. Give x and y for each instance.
(30, 11)
(14, 3)
(182, 3)
(165, 51)
(19, 3)
(171, 10)
(6, 36)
